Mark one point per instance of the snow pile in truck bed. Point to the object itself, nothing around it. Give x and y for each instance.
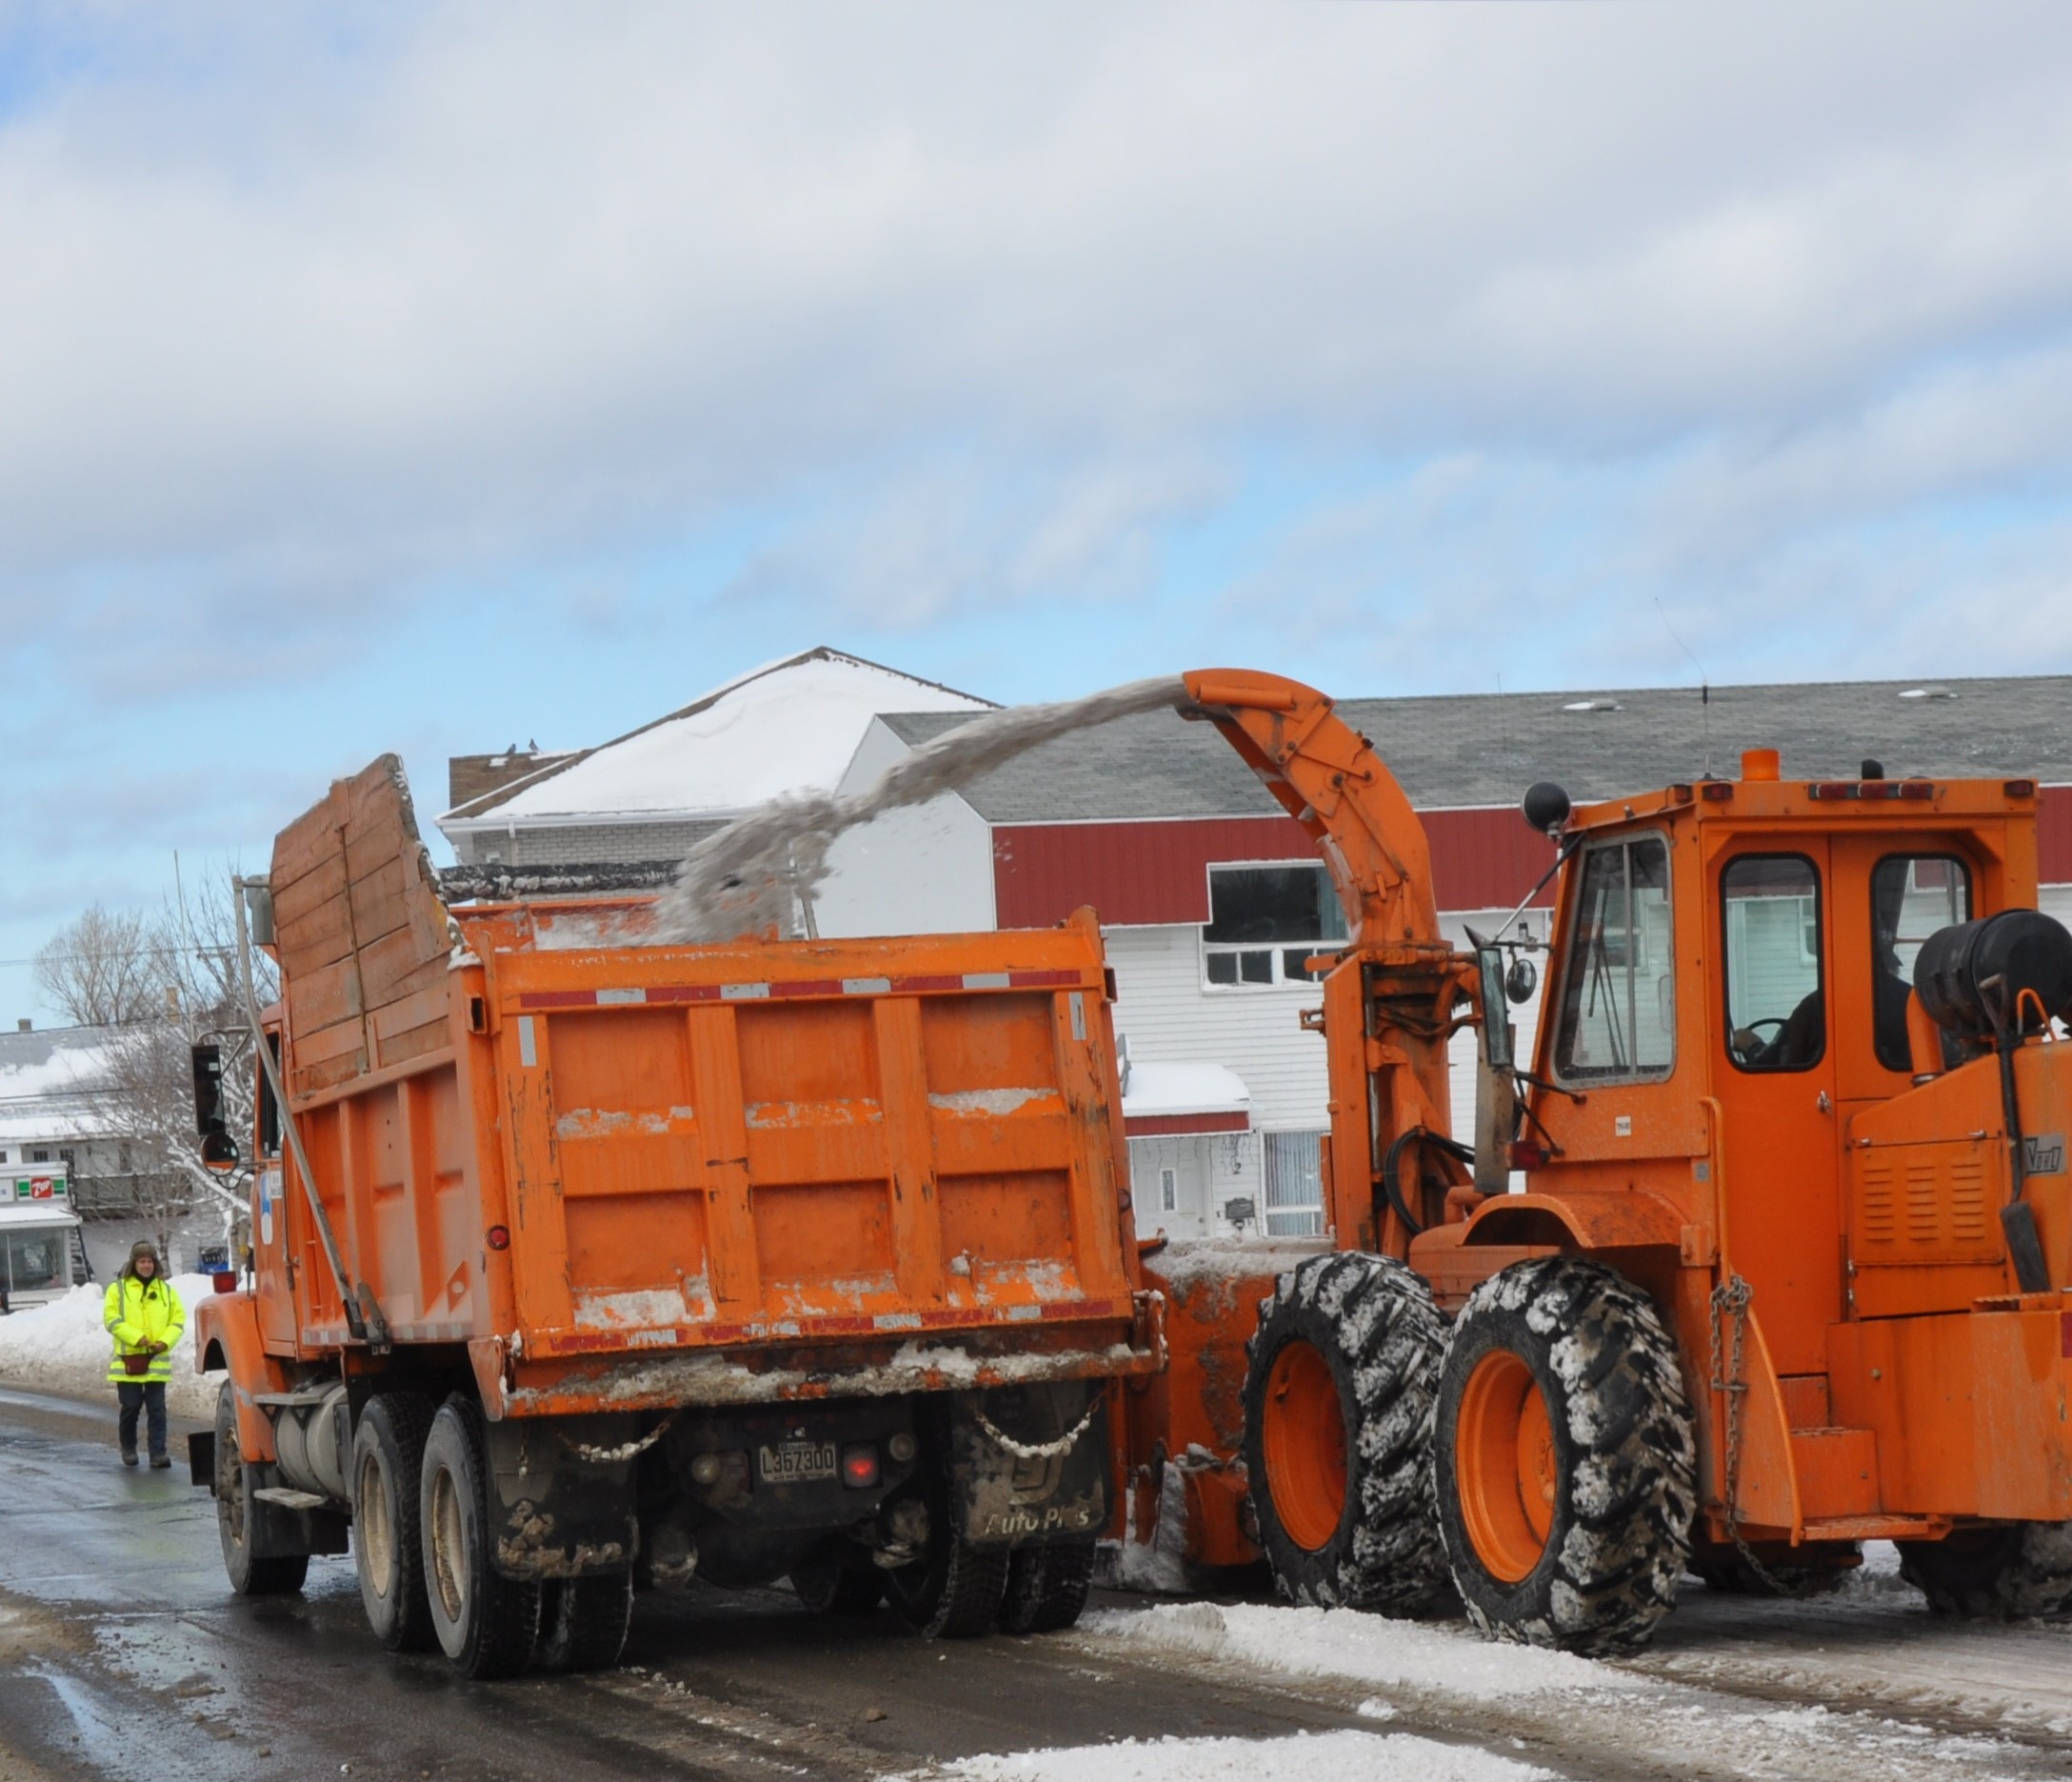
(1338, 1756)
(61, 1348)
(1346, 1644)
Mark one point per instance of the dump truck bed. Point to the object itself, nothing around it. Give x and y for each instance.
(628, 1176)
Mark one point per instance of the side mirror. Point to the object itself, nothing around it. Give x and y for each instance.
(208, 1090)
(1521, 979)
(219, 1151)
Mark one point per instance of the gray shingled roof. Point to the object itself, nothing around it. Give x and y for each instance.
(1453, 750)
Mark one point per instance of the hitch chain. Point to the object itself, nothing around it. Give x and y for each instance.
(1730, 1299)
(1040, 1450)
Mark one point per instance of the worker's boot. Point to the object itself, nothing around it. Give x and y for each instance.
(159, 1462)
(129, 1456)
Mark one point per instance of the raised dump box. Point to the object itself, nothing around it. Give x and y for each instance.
(631, 1263)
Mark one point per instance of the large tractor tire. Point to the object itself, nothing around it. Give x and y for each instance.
(584, 1621)
(276, 1575)
(387, 1538)
(1563, 1459)
(486, 1623)
(1339, 1393)
(1994, 1574)
(1047, 1588)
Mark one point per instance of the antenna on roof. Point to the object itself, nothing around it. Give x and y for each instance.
(1704, 685)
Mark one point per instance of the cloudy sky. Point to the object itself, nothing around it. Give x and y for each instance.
(432, 377)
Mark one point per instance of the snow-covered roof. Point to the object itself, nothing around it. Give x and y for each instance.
(788, 726)
(37, 1212)
(49, 1078)
(1161, 1090)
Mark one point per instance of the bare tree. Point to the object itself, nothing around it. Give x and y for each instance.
(149, 1098)
(103, 969)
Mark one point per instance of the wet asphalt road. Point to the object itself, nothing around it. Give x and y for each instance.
(120, 1640)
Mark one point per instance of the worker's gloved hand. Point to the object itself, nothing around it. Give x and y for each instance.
(154, 1348)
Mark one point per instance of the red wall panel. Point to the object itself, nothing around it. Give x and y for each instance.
(2054, 835)
(1143, 872)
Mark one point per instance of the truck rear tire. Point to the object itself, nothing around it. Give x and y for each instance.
(1047, 1587)
(486, 1623)
(1564, 1458)
(1994, 1574)
(277, 1575)
(387, 1536)
(1339, 1391)
(584, 1621)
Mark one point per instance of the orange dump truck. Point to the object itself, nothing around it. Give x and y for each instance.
(580, 1264)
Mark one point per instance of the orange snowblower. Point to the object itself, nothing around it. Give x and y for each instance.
(1789, 1267)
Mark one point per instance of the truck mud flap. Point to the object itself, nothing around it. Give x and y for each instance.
(563, 1488)
(1029, 1464)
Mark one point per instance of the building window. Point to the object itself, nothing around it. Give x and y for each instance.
(1294, 1184)
(1168, 1191)
(39, 1155)
(1266, 921)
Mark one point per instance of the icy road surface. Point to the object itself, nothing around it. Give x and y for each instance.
(118, 1635)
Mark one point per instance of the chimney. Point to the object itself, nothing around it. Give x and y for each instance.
(24, 1025)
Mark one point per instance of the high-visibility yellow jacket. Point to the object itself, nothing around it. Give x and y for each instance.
(137, 1315)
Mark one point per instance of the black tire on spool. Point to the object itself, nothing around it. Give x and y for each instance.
(584, 1621)
(1623, 1464)
(486, 1623)
(276, 1575)
(387, 1538)
(829, 1582)
(1374, 1325)
(1047, 1587)
(2005, 1574)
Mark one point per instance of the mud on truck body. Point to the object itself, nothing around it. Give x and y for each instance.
(580, 1265)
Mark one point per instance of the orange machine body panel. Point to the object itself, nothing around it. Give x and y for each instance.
(622, 1177)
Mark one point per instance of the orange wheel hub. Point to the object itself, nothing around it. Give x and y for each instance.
(1504, 1465)
(1302, 1433)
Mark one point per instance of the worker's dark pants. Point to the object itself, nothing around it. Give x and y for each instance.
(135, 1395)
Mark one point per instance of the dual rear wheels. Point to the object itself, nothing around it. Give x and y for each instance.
(957, 1590)
(1540, 1457)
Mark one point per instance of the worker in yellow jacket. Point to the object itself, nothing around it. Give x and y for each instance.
(144, 1316)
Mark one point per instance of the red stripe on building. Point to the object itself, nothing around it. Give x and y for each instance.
(1136, 874)
(2054, 835)
(1181, 1125)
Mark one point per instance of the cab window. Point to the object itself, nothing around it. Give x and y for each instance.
(1911, 895)
(1618, 1011)
(1776, 1010)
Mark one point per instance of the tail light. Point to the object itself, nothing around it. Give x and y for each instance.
(860, 1465)
(1529, 1154)
(498, 1236)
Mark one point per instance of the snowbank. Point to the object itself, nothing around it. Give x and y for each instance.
(61, 1348)
(1354, 1648)
(1342, 1757)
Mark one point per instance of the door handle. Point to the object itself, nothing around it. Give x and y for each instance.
(1824, 1104)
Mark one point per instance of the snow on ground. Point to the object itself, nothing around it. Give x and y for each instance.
(1350, 1647)
(63, 1348)
(1306, 1757)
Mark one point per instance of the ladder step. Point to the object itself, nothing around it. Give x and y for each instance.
(289, 1498)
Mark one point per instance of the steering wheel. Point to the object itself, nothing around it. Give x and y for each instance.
(1748, 1040)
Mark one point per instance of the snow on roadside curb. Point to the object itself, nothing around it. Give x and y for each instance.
(61, 1348)
(1354, 1648)
(1342, 1757)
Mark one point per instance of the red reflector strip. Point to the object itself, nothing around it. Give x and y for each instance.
(1917, 788)
(2064, 1335)
(918, 984)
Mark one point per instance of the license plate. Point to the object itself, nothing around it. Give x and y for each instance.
(792, 1463)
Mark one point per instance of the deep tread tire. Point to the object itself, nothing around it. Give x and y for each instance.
(830, 1583)
(584, 1621)
(387, 1538)
(1624, 1456)
(1374, 1322)
(486, 1623)
(1994, 1574)
(279, 1575)
(953, 1592)
(1047, 1587)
